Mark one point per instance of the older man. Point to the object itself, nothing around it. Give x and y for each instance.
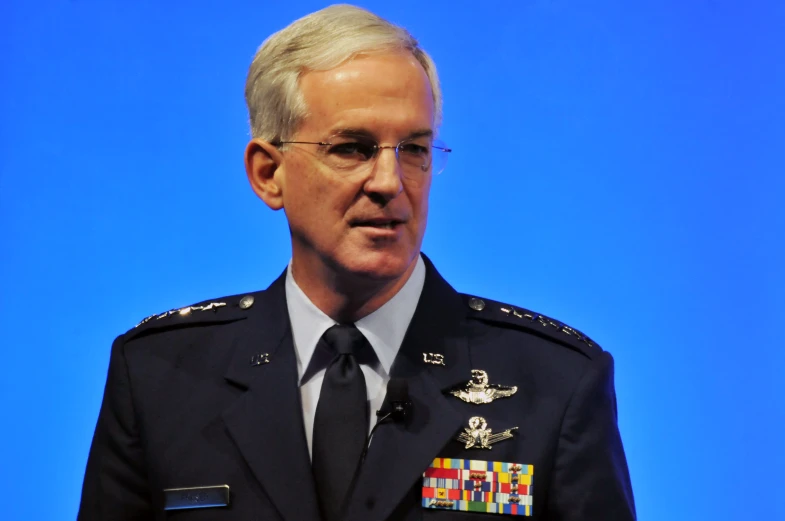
(259, 406)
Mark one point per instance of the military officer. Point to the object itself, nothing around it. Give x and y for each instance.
(259, 406)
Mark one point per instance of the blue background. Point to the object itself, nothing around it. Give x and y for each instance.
(616, 165)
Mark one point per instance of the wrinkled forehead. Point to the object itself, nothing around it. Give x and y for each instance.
(369, 92)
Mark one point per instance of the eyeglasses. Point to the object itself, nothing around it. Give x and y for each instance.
(350, 154)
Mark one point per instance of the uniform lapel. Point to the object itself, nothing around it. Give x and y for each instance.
(266, 421)
(399, 453)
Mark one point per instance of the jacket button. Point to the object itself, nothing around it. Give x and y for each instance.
(476, 304)
(246, 302)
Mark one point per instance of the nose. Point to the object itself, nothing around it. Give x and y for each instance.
(385, 179)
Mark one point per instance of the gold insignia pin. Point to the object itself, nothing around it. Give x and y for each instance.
(444, 503)
(479, 436)
(478, 390)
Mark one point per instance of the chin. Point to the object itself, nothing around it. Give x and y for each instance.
(379, 265)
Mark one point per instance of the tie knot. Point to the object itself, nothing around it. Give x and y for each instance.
(345, 339)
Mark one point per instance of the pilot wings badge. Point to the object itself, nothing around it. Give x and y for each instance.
(478, 390)
(479, 436)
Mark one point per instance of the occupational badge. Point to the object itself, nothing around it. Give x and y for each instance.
(478, 390)
(493, 487)
(478, 436)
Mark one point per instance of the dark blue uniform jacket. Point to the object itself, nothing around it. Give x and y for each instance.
(209, 396)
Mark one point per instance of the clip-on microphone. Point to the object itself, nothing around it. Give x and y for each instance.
(396, 408)
(398, 404)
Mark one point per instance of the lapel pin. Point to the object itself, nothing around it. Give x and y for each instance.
(433, 358)
(479, 436)
(260, 359)
(478, 390)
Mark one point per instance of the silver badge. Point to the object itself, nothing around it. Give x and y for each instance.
(478, 390)
(479, 436)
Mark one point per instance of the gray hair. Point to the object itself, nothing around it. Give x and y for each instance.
(317, 42)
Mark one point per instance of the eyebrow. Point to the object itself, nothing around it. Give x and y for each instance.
(425, 132)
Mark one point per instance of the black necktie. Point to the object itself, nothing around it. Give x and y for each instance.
(340, 426)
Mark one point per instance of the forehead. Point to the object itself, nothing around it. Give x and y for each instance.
(381, 93)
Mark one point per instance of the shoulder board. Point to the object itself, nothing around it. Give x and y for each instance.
(537, 323)
(228, 309)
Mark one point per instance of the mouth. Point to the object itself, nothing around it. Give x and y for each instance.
(381, 224)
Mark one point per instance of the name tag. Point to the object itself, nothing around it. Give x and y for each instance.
(196, 497)
(491, 487)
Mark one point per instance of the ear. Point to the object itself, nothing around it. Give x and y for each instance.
(262, 160)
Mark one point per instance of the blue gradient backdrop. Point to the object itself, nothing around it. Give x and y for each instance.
(617, 165)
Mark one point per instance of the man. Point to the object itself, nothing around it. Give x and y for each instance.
(258, 406)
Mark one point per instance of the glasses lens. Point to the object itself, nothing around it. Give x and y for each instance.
(440, 154)
(347, 153)
(415, 156)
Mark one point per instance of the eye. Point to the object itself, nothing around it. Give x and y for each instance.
(414, 149)
(353, 149)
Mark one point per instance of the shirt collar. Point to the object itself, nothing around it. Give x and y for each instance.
(384, 328)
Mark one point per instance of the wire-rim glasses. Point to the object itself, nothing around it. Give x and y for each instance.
(353, 153)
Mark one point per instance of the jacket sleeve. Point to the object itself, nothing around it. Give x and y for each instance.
(115, 484)
(590, 479)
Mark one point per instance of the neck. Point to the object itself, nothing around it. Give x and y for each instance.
(347, 297)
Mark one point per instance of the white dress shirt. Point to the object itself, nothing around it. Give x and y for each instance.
(384, 329)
